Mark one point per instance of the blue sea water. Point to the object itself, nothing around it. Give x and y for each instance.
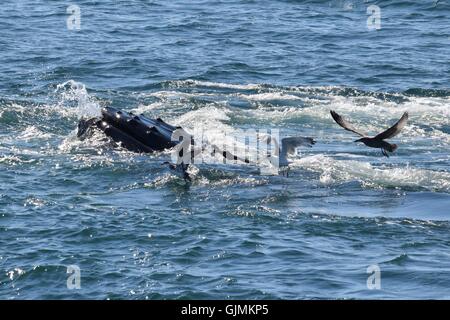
(136, 231)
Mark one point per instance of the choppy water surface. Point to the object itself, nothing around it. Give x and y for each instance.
(139, 232)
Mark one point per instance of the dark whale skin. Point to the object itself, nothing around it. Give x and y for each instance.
(133, 132)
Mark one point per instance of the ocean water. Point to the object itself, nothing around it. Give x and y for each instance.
(136, 231)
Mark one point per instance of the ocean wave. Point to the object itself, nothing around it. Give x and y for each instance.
(419, 92)
(210, 84)
(334, 171)
(309, 90)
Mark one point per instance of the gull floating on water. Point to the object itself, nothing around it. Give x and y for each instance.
(378, 140)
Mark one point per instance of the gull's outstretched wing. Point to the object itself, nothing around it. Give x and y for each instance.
(289, 144)
(345, 124)
(395, 129)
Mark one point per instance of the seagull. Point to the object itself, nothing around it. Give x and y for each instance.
(288, 147)
(378, 140)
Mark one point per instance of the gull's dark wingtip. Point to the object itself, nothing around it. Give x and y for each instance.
(334, 115)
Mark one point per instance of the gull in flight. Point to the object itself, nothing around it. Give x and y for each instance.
(288, 148)
(378, 140)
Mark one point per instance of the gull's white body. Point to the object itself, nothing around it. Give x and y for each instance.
(288, 147)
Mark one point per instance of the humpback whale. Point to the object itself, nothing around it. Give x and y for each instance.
(140, 134)
(378, 140)
(135, 133)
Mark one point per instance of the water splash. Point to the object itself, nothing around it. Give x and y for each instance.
(85, 104)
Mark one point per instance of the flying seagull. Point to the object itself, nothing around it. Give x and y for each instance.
(378, 140)
(288, 147)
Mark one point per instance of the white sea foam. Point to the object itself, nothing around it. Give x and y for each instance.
(172, 95)
(194, 83)
(268, 96)
(336, 171)
(13, 160)
(153, 107)
(32, 132)
(370, 115)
